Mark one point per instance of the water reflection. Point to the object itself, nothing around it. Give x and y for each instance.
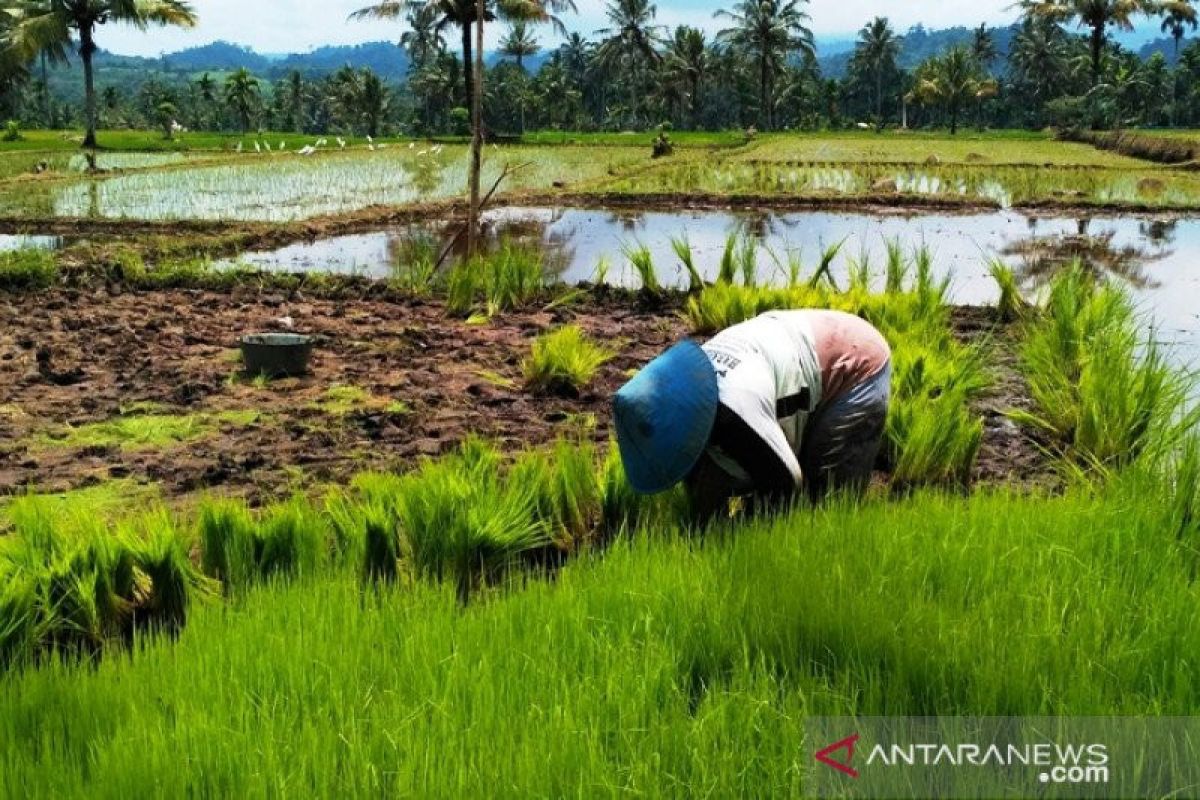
(1040, 258)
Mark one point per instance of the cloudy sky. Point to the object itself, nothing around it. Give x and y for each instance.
(281, 26)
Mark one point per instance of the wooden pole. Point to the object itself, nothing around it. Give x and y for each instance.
(476, 133)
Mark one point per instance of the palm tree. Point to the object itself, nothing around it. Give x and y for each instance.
(241, 93)
(983, 47)
(1039, 59)
(688, 65)
(423, 41)
(952, 80)
(206, 97)
(519, 43)
(38, 26)
(1178, 16)
(465, 15)
(878, 48)
(1097, 15)
(630, 44)
(767, 32)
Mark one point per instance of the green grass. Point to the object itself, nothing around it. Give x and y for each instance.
(27, 270)
(147, 431)
(564, 361)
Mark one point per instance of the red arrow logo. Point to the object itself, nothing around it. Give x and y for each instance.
(847, 744)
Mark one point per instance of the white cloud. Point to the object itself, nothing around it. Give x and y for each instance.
(277, 26)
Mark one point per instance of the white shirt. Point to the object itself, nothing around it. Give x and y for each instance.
(769, 375)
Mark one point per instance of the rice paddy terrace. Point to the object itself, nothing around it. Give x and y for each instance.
(420, 569)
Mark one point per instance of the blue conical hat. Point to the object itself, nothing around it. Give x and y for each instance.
(664, 417)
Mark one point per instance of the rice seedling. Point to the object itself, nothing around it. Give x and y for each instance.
(227, 534)
(828, 255)
(563, 362)
(603, 267)
(566, 491)
(415, 269)
(27, 270)
(146, 431)
(727, 268)
(896, 271)
(642, 261)
(747, 258)
(506, 279)
(1011, 305)
(683, 251)
(381, 547)
(790, 266)
(1101, 393)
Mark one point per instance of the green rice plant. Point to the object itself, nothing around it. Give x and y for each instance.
(860, 273)
(823, 272)
(508, 278)
(460, 521)
(381, 547)
(564, 361)
(227, 538)
(747, 257)
(27, 270)
(415, 269)
(1098, 391)
(566, 490)
(624, 511)
(603, 267)
(642, 260)
(934, 439)
(727, 268)
(343, 516)
(897, 267)
(687, 258)
(790, 266)
(174, 582)
(291, 541)
(1011, 305)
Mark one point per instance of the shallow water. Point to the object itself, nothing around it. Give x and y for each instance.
(23, 241)
(1157, 258)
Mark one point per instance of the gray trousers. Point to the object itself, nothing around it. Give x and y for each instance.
(842, 440)
(838, 453)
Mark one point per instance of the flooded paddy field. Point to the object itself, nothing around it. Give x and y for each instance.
(1155, 257)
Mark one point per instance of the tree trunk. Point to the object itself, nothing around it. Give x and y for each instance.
(879, 97)
(87, 48)
(763, 101)
(468, 65)
(476, 136)
(695, 104)
(1097, 52)
(953, 120)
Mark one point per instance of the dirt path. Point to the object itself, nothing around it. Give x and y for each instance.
(423, 382)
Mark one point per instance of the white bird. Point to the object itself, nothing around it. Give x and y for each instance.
(239, 147)
(283, 146)
(369, 139)
(341, 142)
(267, 145)
(411, 145)
(371, 147)
(307, 150)
(322, 142)
(437, 151)
(864, 126)
(257, 147)
(422, 154)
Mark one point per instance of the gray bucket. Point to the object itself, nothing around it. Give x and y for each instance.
(276, 355)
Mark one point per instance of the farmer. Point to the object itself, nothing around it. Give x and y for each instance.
(789, 401)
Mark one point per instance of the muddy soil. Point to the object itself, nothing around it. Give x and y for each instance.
(70, 357)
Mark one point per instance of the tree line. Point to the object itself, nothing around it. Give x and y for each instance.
(759, 69)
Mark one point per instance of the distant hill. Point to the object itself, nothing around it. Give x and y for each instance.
(1166, 47)
(918, 44)
(217, 56)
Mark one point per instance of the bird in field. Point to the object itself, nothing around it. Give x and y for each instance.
(267, 145)
(369, 139)
(257, 147)
(341, 142)
(239, 147)
(307, 150)
(282, 146)
(864, 126)
(411, 145)
(371, 147)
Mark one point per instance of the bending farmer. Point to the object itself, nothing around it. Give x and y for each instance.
(788, 401)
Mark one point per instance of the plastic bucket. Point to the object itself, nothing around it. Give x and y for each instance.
(276, 355)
